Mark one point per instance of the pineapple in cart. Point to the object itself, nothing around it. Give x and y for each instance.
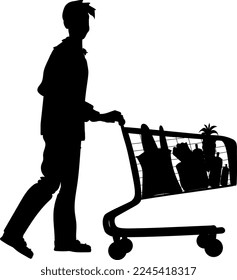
(208, 144)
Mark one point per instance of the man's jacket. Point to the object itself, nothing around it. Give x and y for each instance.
(64, 90)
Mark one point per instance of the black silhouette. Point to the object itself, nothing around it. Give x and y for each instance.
(207, 235)
(224, 176)
(199, 168)
(215, 171)
(158, 173)
(208, 144)
(62, 126)
(192, 167)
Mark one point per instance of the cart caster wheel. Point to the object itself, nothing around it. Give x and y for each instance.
(116, 251)
(203, 240)
(214, 248)
(126, 244)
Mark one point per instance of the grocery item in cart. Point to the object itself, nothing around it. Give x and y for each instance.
(158, 174)
(224, 176)
(215, 171)
(192, 168)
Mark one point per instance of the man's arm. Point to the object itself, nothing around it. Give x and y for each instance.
(113, 116)
(94, 116)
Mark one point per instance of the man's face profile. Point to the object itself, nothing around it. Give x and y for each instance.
(78, 26)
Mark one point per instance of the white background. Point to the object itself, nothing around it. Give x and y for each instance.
(159, 62)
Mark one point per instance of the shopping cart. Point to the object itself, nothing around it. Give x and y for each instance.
(168, 142)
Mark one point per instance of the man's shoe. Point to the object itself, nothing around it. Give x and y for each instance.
(19, 245)
(75, 246)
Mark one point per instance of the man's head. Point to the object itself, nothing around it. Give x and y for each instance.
(76, 18)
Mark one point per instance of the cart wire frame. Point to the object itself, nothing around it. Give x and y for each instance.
(206, 234)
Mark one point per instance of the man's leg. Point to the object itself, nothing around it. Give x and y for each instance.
(64, 211)
(32, 202)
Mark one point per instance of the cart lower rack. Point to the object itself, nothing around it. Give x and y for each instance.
(168, 163)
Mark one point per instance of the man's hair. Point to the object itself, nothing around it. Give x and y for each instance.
(75, 9)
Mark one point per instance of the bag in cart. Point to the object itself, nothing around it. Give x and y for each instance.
(158, 174)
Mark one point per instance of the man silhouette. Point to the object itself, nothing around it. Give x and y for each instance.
(64, 113)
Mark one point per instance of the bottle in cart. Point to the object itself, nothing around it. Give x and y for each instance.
(224, 176)
(199, 166)
(215, 171)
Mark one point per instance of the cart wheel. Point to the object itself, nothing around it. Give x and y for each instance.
(214, 248)
(116, 251)
(203, 240)
(126, 244)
